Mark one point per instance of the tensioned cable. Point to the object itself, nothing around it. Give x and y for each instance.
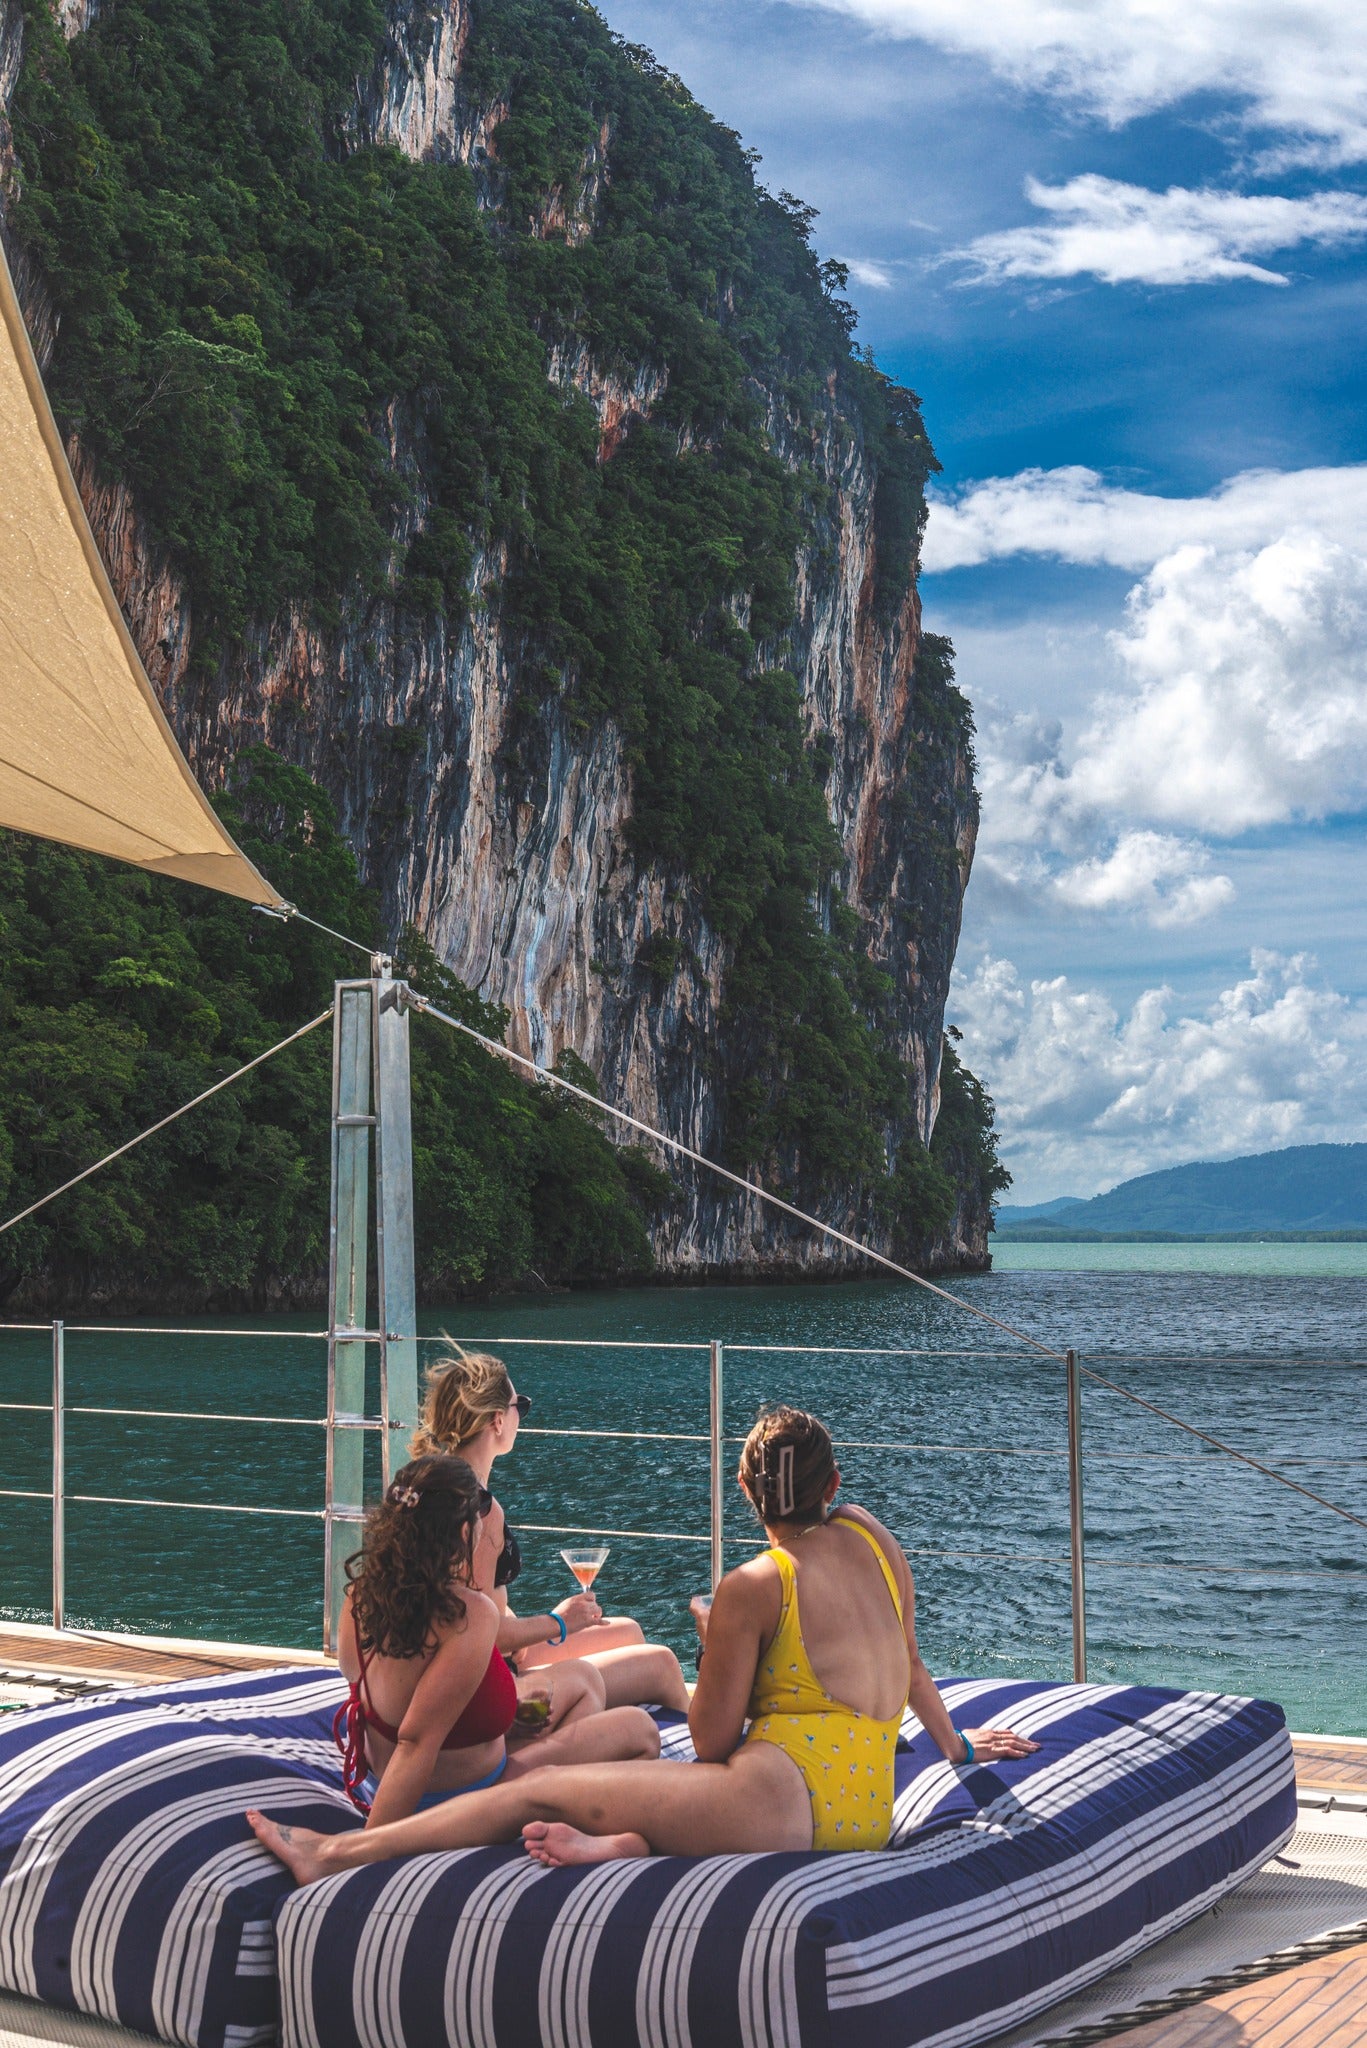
(750, 1187)
(427, 1008)
(285, 912)
(152, 1129)
(1228, 1449)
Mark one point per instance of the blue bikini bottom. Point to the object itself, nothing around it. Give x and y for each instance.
(371, 1787)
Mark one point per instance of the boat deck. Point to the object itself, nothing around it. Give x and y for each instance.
(1321, 2003)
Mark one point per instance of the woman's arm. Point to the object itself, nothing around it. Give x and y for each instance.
(440, 1697)
(743, 1619)
(516, 1632)
(989, 1745)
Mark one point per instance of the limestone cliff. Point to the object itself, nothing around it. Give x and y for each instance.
(503, 832)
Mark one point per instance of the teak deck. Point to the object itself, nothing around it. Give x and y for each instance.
(1321, 2004)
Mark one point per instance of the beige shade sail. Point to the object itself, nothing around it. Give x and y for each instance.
(86, 755)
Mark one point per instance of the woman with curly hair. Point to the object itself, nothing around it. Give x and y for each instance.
(432, 1702)
(813, 1643)
(471, 1407)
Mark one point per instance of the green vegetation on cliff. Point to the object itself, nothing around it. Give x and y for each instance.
(250, 303)
(121, 996)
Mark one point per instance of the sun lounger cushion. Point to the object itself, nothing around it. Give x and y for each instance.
(1010, 1887)
(130, 1885)
(130, 1888)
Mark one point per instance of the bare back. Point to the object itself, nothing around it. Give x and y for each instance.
(855, 1641)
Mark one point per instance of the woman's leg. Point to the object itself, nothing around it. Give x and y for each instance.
(620, 1735)
(756, 1801)
(577, 1690)
(620, 1632)
(650, 1672)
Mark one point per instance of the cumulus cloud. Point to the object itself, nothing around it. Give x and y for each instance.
(1047, 845)
(1125, 234)
(1296, 67)
(1248, 698)
(1240, 693)
(1163, 877)
(1074, 514)
(1088, 1095)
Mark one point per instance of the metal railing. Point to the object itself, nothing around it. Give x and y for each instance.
(718, 1443)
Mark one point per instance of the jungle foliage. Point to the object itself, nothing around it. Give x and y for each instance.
(247, 297)
(123, 995)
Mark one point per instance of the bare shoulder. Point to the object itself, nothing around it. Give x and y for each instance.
(881, 1534)
(480, 1623)
(752, 1591)
(481, 1612)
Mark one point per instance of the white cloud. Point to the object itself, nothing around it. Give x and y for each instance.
(1239, 695)
(1074, 514)
(878, 276)
(1152, 872)
(1087, 1096)
(1297, 67)
(1125, 234)
(1047, 845)
(1234, 694)
(1248, 691)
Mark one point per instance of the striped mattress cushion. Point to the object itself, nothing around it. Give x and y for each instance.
(130, 1886)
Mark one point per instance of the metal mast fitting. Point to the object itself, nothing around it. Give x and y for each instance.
(370, 1095)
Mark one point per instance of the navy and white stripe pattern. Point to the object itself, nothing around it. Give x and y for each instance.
(130, 1886)
(1008, 1887)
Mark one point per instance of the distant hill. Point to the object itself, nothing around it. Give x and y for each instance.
(1038, 1212)
(1306, 1188)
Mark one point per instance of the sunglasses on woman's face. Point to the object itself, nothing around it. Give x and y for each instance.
(522, 1403)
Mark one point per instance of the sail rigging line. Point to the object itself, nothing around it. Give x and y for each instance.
(152, 1129)
(287, 911)
(429, 1009)
(1269, 1471)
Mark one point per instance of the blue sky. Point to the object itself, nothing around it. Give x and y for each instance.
(1120, 249)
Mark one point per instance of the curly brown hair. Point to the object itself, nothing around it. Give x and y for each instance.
(786, 1465)
(417, 1542)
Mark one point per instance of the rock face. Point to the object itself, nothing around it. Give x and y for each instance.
(524, 883)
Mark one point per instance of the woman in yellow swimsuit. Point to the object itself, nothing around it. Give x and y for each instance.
(813, 1644)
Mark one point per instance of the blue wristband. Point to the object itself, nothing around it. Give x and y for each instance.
(967, 1745)
(560, 1619)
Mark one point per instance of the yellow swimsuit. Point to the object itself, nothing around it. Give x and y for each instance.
(845, 1758)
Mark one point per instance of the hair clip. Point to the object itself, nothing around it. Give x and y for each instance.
(404, 1496)
(785, 1480)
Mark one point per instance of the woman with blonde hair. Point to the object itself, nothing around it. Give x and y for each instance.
(813, 1642)
(471, 1407)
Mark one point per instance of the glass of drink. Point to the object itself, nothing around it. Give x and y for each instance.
(586, 1564)
(533, 1710)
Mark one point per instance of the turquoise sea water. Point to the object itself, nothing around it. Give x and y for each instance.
(1292, 1261)
(1200, 1571)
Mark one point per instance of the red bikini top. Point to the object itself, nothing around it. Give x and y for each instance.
(487, 1715)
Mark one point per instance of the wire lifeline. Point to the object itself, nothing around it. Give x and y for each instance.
(152, 1129)
(1269, 1471)
(429, 1009)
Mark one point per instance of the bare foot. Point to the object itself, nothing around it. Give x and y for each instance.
(305, 1855)
(553, 1843)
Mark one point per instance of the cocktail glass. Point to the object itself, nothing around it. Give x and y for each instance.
(586, 1564)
